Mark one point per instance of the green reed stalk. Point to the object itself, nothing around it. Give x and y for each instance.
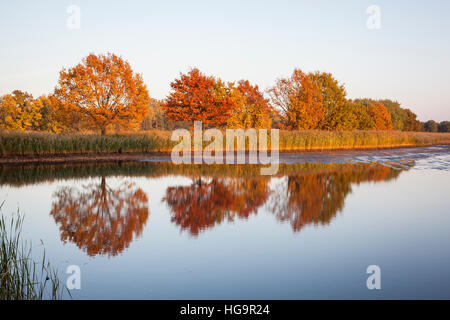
(22, 278)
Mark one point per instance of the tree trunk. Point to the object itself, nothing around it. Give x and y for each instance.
(103, 131)
(103, 187)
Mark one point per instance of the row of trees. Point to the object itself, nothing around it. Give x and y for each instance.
(103, 93)
(433, 126)
(300, 102)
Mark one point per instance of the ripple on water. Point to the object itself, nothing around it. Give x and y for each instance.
(429, 158)
(423, 158)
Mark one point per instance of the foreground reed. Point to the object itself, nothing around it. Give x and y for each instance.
(22, 278)
(13, 144)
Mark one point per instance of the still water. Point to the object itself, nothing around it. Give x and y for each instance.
(153, 230)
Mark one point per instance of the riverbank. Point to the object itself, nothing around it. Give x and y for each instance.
(33, 147)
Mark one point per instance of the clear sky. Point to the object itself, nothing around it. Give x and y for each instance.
(407, 59)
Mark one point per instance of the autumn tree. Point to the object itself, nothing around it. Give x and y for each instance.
(334, 102)
(9, 114)
(251, 109)
(431, 126)
(156, 118)
(398, 114)
(49, 120)
(362, 118)
(300, 101)
(102, 92)
(276, 118)
(19, 111)
(197, 97)
(402, 118)
(444, 126)
(411, 123)
(348, 116)
(380, 115)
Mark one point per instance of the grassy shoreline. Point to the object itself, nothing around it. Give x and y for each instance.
(23, 147)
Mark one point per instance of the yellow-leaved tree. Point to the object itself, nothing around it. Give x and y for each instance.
(251, 109)
(19, 111)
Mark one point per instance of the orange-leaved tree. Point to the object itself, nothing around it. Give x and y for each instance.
(380, 115)
(197, 97)
(101, 92)
(300, 101)
(251, 110)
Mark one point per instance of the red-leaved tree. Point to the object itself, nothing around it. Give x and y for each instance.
(197, 97)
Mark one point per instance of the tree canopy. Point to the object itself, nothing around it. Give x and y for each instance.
(251, 109)
(102, 92)
(197, 97)
(444, 126)
(300, 101)
(431, 126)
(333, 101)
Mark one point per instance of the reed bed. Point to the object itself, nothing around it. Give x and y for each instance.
(41, 144)
(22, 278)
(48, 144)
(329, 140)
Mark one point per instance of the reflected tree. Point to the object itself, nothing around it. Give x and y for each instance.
(306, 199)
(302, 199)
(317, 198)
(104, 220)
(204, 204)
(100, 219)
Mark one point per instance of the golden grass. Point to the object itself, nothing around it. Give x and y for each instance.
(329, 140)
(49, 144)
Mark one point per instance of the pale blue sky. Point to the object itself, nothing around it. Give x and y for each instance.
(407, 59)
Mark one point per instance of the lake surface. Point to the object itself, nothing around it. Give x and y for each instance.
(153, 230)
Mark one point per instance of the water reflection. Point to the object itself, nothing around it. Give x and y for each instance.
(303, 198)
(204, 204)
(317, 198)
(100, 219)
(104, 220)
